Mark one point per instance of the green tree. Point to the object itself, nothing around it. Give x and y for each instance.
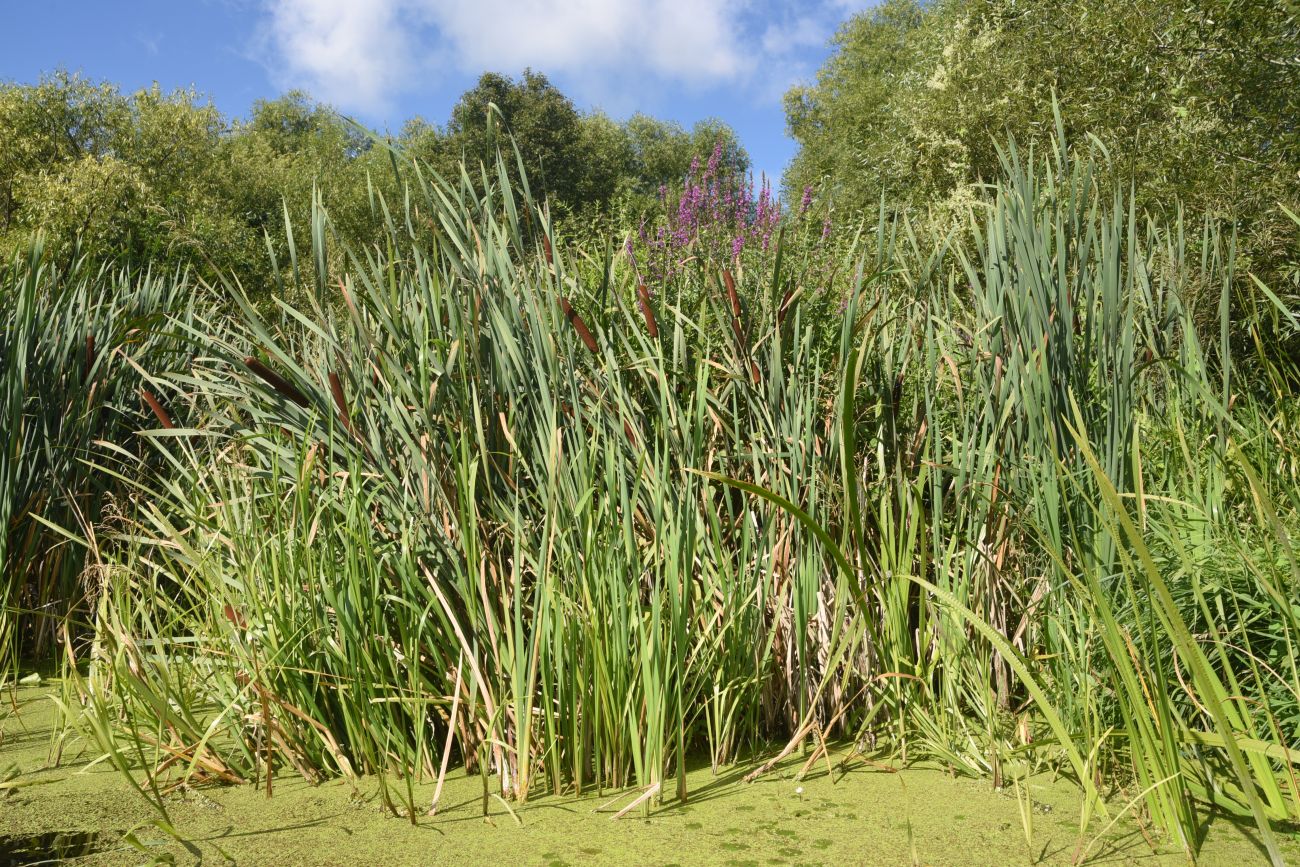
(50, 125)
(582, 161)
(852, 125)
(1195, 103)
(543, 121)
(164, 179)
(607, 158)
(663, 150)
(292, 148)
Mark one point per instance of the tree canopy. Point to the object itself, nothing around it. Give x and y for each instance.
(579, 160)
(166, 179)
(1195, 103)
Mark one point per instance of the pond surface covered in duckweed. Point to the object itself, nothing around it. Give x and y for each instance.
(866, 816)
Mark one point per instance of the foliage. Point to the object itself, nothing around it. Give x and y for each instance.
(544, 122)
(1001, 479)
(852, 125)
(166, 179)
(1195, 103)
(74, 343)
(662, 152)
(467, 500)
(710, 219)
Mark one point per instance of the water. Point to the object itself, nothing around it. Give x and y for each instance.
(52, 847)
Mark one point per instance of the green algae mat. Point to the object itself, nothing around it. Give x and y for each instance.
(82, 810)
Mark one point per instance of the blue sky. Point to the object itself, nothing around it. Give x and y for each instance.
(383, 61)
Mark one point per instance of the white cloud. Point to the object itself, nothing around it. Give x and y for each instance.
(593, 35)
(354, 54)
(359, 55)
(794, 36)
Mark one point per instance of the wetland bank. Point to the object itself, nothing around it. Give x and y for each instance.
(458, 533)
(867, 816)
(939, 507)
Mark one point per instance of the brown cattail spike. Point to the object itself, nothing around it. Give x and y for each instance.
(336, 389)
(643, 299)
(578, 325)
(90, 357)
(234, 616)
(161, 414)
(347, 297)
(785, 306)
(736, 330)
(546, 250)
(731, 292)
(276, 381)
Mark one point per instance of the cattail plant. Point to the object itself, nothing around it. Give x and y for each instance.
(77, 348)
(961, 519)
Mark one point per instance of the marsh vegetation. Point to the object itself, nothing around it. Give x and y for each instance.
(483, 504)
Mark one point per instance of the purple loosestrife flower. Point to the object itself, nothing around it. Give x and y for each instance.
(710, 215)
(806, 201)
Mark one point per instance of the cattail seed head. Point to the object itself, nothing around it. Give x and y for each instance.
(784, 309)
(276, 381)
(161, 414)
(578, 325)
(643, 300)
(731, 292)
(234, 617)
(89, 361)
(336, 390)
(347, 298)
